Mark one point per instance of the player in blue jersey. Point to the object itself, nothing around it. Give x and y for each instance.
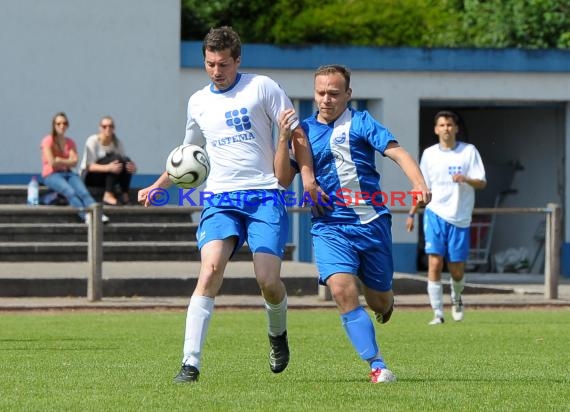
(233, 117)
(352, 235)
(453, 170)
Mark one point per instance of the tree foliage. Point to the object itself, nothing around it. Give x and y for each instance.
(252, 19)
(517, 23)
(414, 23)
(357, 22)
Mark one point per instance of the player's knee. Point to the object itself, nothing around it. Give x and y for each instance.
(346, 300)
(270, 284)
(340, 296)
(210, 277)
(343, 287)
(211, 270)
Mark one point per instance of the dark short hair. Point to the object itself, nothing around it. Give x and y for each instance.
(448, 114)
(335, 68)
(222, 38)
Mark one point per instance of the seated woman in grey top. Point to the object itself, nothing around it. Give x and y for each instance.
(106, 165)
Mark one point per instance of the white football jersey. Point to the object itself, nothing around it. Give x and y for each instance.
(236, 125)
(451, 201)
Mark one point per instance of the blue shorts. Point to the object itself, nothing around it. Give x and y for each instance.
(362, 250)
(444, 239)
(252, 216)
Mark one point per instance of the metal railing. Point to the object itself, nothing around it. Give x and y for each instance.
(553, 239)
(95, 244)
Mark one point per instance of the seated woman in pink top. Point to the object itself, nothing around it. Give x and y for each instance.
(59, 157)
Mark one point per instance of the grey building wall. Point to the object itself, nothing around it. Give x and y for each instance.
(124, 58)
(89, 59)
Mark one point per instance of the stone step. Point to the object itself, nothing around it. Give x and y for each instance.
(118, 214)
(77, 232)
(55, 234)
(142, 278)
(130, 287)
(113, 251)
(18, 194)
(175, 278)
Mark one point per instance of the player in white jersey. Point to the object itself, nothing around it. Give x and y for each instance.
(352, 236)
(233, 116)
(453, 170)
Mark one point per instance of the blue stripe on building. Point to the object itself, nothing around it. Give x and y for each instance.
(266, 56)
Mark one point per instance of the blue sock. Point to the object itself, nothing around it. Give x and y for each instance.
(360, 331)
(378, 363)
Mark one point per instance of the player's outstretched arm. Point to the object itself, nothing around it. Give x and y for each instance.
(302, 151)
(162, 182)
(282, 162)
(421, 193)
(305, 161)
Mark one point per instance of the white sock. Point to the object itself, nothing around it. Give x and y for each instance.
(198, 317)
(457, 289)
(277, 317)
(435, 293)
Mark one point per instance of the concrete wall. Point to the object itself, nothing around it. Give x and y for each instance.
(124, 58)
(89, 59)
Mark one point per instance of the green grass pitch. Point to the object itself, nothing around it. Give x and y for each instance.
(124, 361)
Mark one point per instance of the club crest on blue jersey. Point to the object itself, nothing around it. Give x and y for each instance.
(239, 119)
(340, 139)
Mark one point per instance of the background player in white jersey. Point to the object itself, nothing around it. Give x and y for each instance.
(453, 170)
(352, 238)
(233, 116)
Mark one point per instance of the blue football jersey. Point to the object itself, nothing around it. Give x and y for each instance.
(345, 167)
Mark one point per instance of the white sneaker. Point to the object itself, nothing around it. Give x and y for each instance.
(382, 376)
(436, 321)
(457, 311)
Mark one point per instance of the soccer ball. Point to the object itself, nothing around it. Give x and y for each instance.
(188, 166)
